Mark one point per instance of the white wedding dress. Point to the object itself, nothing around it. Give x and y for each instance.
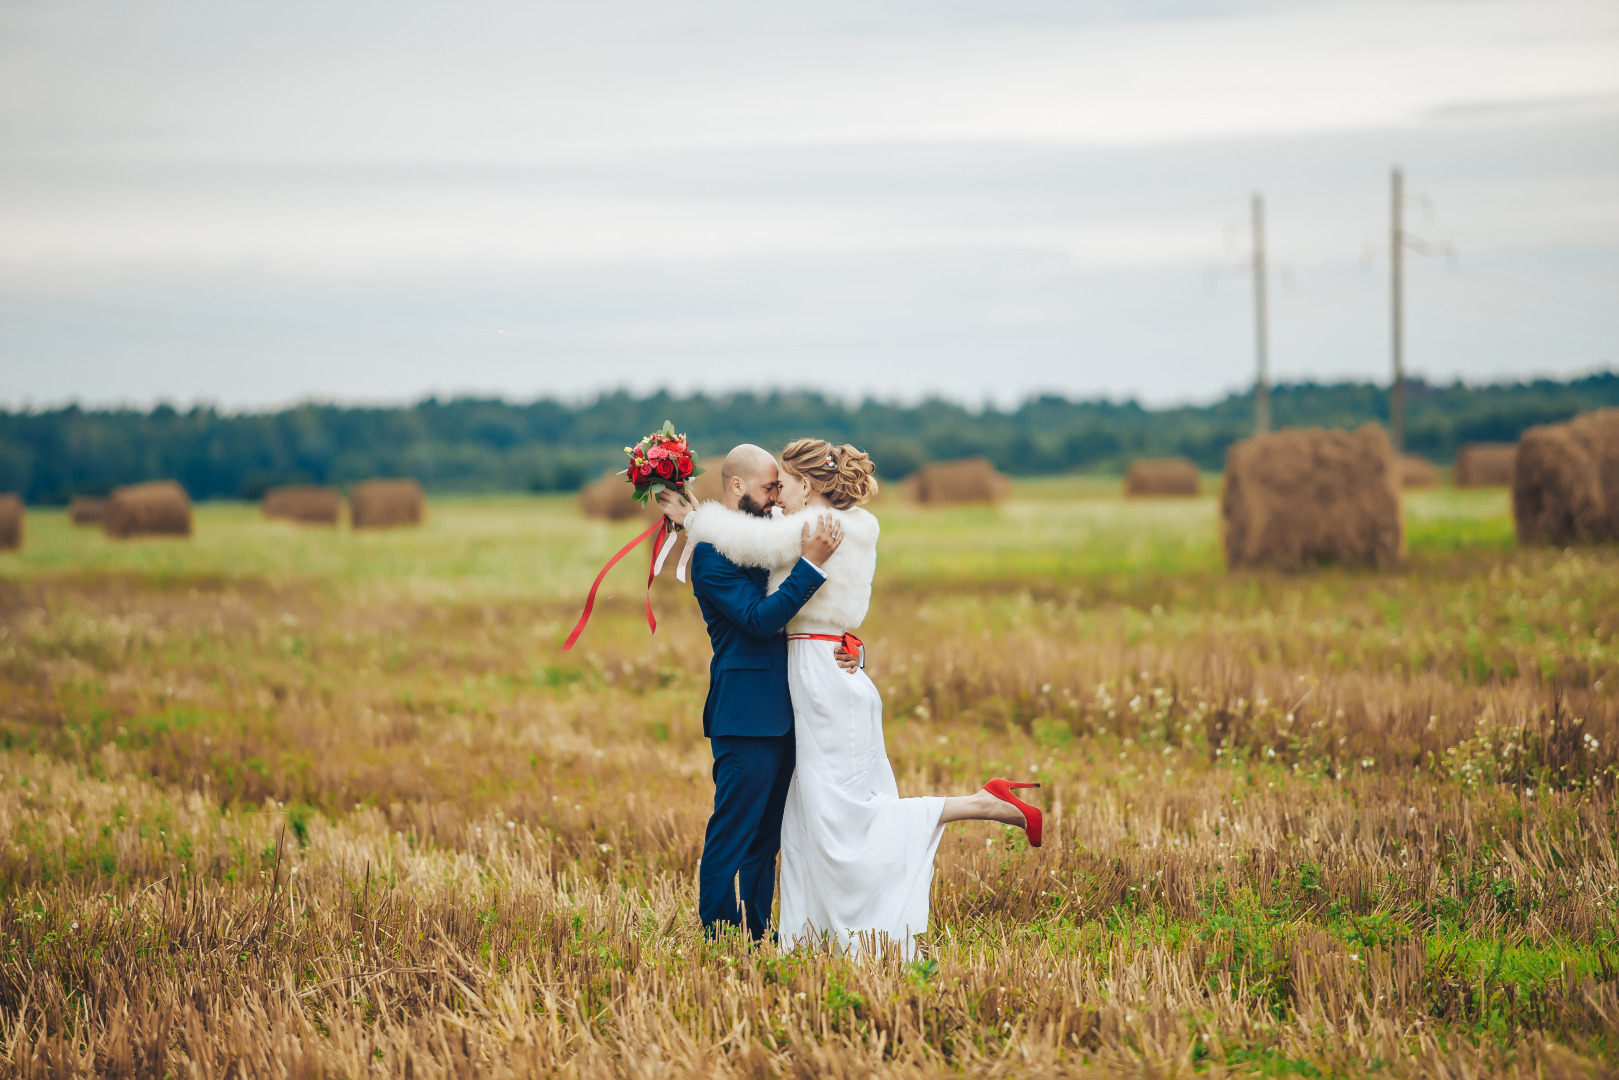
(856, 859)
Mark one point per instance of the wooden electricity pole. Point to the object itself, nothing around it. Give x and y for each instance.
(1397, 319)
(1261, 332)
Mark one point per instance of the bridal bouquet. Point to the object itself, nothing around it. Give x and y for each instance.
(661, 461)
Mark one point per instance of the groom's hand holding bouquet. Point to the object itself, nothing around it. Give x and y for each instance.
(660, 466)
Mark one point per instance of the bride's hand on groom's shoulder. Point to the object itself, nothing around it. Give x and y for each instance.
(823, 541)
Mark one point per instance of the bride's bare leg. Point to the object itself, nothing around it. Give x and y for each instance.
(980, 807)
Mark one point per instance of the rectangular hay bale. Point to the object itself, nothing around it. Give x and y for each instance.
(969, 480)
(11, 521)
(307, 504)
(385, 504)
(1417, 471)
(1303, 497)
(159, 508)
(1484, 465)
(84, 510)
(609, 498)
(1162, 477)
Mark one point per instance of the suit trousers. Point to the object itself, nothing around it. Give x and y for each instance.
(751, 777)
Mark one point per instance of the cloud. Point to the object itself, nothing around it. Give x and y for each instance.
(280, 190)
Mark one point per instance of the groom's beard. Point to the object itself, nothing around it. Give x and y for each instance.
(749, 506)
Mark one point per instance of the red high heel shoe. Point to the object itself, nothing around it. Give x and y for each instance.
(1032, 821)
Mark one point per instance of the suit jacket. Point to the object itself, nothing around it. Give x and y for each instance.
(747, 688)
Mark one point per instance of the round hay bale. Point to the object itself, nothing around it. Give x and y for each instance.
(1417, 471)
(1484, 465)
(1302, 497)
(160, 508)
(970, 480)
(1162, 476)
(1565, 487)
(308, 504)
(86, 511)
(385, 504)
(707, 487)
(11, 521)
(609, 498)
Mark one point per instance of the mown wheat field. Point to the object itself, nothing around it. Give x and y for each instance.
(285, 801)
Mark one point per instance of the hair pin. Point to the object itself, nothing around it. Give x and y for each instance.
(831, 461)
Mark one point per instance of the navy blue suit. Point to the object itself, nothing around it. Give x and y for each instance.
(748, 718)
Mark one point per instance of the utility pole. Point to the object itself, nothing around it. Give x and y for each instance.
(1400, 242)
(1397, 319)
(1261, 332)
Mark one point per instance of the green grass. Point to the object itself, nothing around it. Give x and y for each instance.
(1055, 531)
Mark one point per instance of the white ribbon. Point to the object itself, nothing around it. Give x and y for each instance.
(685, 561)
(663, 553)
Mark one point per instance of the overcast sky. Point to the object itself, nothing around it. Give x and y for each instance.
(256, 204)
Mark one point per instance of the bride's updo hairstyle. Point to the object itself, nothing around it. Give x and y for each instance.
(841, 473)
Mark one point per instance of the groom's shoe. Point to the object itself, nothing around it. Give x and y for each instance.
(1032, 821)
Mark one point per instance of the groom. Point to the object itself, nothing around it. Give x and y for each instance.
(748, 717)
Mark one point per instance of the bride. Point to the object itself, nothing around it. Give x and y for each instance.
(855, 857)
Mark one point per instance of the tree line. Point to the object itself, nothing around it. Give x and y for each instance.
(474, 444)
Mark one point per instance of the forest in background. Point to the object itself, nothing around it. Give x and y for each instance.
(476, 444)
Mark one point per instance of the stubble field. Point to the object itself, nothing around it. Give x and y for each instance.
(300, 802)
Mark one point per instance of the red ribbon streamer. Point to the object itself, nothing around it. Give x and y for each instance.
(660, 527)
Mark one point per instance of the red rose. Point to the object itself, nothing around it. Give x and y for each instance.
(675, 446)
(685, 466)
(666, 468)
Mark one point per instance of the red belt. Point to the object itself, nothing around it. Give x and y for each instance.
(851, 644)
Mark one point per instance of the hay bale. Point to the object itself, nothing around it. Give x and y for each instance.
(970, 480)
(1300, 497)
(609, 498)
(1565, 487)
(384, 504)
(308, 504)
(161, 508)
(707, 487)
(1484, 465)
(1417, 471)
(1162, 476)
(11, 522)
(86, 511)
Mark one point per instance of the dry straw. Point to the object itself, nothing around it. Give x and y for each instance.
(1417, 471)
(11, 522)
(1484, 465)
(382, 504)
(1302, 497)
(1566, 486)
(970, 480)
(1162, 476)
(609, 498)
(84, 510)
(160, 508)
(307, 504)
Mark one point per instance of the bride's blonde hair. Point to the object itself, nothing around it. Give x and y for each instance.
(843, 474)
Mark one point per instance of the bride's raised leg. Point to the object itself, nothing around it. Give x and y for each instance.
(980, 806)
(995, 802)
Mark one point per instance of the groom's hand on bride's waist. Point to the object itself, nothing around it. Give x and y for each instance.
(848, 661)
